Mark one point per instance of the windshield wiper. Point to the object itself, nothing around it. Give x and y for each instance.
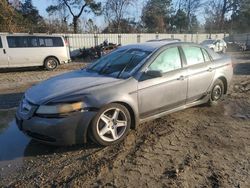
(124, 68)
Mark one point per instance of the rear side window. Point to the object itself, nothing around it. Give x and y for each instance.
(45, 42)
(1, 45)
(50, 42)
(57, 42)
(41, 42)
(33, 41)
(206, 56)
(193, 55)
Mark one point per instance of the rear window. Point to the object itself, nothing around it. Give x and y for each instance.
(33, 41)
(1, 45)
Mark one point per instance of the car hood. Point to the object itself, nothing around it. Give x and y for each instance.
(65, 84)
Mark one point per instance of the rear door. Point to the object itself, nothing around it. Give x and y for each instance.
(200, 71)
(3, 56)
(53, 46)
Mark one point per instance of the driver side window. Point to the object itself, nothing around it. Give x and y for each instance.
(168, 60)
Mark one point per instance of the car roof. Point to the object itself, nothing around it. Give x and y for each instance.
(165, 39)
(28, 35)
(209, 40)
(150, 46)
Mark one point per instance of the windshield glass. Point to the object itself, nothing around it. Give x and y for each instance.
(205, 42)
(119, 63)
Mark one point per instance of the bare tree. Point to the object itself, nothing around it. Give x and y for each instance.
(76, 8)
(217, 10)
(227, 6)
(115, 10)
(191, 7)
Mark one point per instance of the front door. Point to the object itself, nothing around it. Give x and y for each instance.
(18, 52)
(3, 56)
(160, 94)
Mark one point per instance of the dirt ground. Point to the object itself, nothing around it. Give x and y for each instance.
(198, 147)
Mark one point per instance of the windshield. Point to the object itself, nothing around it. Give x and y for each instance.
(205, 42)
(119, 63)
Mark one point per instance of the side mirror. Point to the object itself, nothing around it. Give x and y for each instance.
(154, 73)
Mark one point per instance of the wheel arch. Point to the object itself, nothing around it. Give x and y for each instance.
(134, 119)
(51, 56)
(224, 80)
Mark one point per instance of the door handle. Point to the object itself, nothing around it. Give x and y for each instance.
(4, 51)
(210, 69)
(181, 78)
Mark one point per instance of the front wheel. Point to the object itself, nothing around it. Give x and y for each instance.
(217, 92)
(111, 124)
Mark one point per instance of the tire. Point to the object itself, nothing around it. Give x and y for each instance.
(216, 93)
(224, 50)
(51, 63)
(110, 125)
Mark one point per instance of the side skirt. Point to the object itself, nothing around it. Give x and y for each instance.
(196, 103)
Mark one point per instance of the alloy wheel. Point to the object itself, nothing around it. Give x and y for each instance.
(112, 124)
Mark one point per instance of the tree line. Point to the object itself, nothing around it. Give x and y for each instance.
(156, 16)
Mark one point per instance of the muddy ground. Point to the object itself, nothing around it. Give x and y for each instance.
(198, 147)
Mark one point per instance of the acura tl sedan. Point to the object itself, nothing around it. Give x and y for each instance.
(131, 85)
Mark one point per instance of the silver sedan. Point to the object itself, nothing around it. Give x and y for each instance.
(133, 84)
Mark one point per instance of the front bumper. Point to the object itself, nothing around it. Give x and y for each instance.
(69, 130)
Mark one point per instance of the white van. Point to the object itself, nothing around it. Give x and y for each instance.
(24, 50)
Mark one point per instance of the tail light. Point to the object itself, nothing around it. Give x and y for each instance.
(233, 62)
(66, 41)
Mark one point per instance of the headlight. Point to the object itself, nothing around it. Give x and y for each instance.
(60, 108)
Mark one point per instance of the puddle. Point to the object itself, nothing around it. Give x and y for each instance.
(237, 109)
(13, 143)
(12, 147)
(15, 148)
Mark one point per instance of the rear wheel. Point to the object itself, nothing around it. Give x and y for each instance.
(217, 92)
(51, 63)
(111, 124)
